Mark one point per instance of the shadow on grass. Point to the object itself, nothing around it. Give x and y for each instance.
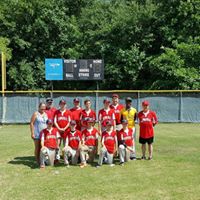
(26, 160)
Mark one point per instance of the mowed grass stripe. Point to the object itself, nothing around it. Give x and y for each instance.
(173, 174)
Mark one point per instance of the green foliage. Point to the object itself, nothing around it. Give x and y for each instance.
(148, 44)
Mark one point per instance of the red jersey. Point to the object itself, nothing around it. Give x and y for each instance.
(76, 114)
(90, 137)
(109, 141)
(127, 136)
(50, 112)
(105, 115)
(86, 115)
(73, 138)
(146, 122)
(50, 137)
(117, 110)
(62, 118)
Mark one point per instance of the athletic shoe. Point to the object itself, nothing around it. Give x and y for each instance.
(143, 158)
(150, 158)
(112, 165)
(121, 163)
(82, 165)
(133, 158)
(42, 167)
(97, 166)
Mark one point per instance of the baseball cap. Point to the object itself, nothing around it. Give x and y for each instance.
(109, 123)
(90, 120)
(76, 100)
(124, 121)
(106, 101)
(115, 95)
(73, 122)
(49, 100)
(129, 99)
(49, 121)
(145, 103)
(62, 101)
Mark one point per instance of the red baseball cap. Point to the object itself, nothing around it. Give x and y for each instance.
(106, 101)
(62, 101)
(115, 95)
(109, 123)
(49, 121)
(76, 100)
(145, 103)
(73, 122)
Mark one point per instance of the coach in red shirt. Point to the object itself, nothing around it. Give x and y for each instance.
(147, 121)
(50, 110)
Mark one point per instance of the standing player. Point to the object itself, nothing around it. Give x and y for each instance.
(129, 113)
(147, 121)
(89, 145)
(117, 109)
(86, 114)
(50, 110)
(62, 119)
(109, 144)
(76, 113)
(126, 142)
(72, 144)
(49, 143)
(37, 124)
(106, 114)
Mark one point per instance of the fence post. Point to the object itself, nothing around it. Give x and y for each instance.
(97, 100)
(138, 101)
(180, 106)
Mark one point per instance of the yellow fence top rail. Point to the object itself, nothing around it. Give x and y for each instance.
(95, 91)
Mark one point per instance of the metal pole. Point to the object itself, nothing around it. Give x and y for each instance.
(180, 106)
(51, 94)
(2, 73)
(97, 99)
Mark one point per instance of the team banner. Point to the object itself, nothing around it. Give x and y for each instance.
(76, 69)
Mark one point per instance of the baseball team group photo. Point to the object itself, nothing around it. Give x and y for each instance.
(100, 99)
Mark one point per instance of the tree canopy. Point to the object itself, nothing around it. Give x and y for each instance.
(146, 44)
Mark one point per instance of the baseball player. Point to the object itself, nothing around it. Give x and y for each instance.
(49, 137)
(109, 144)
(76, 113)
(89, 145)
(129, 113)
(50, 110)
(147, 121)
(126, 141)
(86, 114)
(72, 144)
(117, 109)
(106, 114)
(62, 119)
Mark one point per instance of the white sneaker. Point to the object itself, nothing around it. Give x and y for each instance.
(112, 165)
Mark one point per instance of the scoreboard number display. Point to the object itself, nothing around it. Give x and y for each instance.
(82, 69)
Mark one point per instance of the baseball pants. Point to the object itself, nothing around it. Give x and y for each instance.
(47, 155)
(105, 153)
(87, 153)
(73, 153)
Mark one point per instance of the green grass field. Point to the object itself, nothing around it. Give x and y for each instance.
(173, 174)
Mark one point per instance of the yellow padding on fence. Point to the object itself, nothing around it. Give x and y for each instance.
(97, 91)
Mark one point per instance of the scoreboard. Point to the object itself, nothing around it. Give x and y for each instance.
(74, 69)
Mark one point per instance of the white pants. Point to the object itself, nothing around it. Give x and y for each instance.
(47, 156)
(105, 153)
(124, 153)
(73, 153)
(87, 153)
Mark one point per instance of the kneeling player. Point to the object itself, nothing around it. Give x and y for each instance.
(49, 138)
(89, 143)
(72, 144)
(126, 142)
(109, 144)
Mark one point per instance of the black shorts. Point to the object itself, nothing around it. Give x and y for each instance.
(146, 140)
